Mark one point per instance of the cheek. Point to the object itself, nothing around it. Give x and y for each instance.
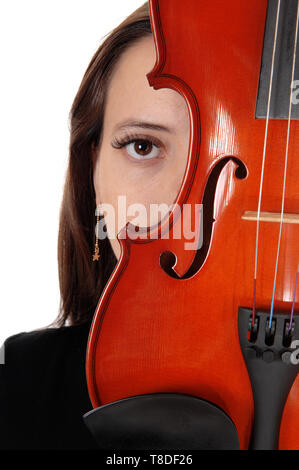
(119, 176)
(157, 183)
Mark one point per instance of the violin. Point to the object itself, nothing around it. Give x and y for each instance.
(218, 322)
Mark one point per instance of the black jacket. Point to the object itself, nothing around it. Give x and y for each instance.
(43, 390)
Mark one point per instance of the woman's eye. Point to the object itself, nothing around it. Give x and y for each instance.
(139, 148)
(142, 149)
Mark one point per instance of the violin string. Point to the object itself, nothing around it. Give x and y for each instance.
(263, 162)
(294, 300)
(285, 168)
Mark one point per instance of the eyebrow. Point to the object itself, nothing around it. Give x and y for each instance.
(141, 125)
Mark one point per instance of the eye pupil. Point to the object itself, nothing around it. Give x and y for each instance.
(143, 147)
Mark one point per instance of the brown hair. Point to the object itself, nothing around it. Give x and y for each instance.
(81, 280)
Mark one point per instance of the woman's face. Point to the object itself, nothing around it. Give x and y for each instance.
(144, 148)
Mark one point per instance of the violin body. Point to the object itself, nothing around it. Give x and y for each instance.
(175, 329)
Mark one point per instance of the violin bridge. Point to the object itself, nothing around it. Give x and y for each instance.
(272, 358)
(271, 217)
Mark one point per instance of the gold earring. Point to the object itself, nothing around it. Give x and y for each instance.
(96, 255)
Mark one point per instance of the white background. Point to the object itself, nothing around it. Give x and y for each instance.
(45, 49)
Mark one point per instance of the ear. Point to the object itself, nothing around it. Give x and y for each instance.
(93, 155)
(95, 173)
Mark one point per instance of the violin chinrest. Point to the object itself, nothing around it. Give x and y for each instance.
(162, 421)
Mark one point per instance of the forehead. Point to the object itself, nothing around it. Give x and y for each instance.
(129, 94)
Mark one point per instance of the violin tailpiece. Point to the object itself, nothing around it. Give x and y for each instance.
(271, 358)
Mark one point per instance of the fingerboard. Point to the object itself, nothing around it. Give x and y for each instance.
(283, 63)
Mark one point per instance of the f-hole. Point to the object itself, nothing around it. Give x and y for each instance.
(167, 258)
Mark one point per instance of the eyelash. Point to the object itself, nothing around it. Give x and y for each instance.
(132, 138)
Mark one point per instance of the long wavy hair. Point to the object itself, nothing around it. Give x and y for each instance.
(81, 280)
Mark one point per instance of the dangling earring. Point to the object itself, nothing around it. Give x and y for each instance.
(96, 255)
